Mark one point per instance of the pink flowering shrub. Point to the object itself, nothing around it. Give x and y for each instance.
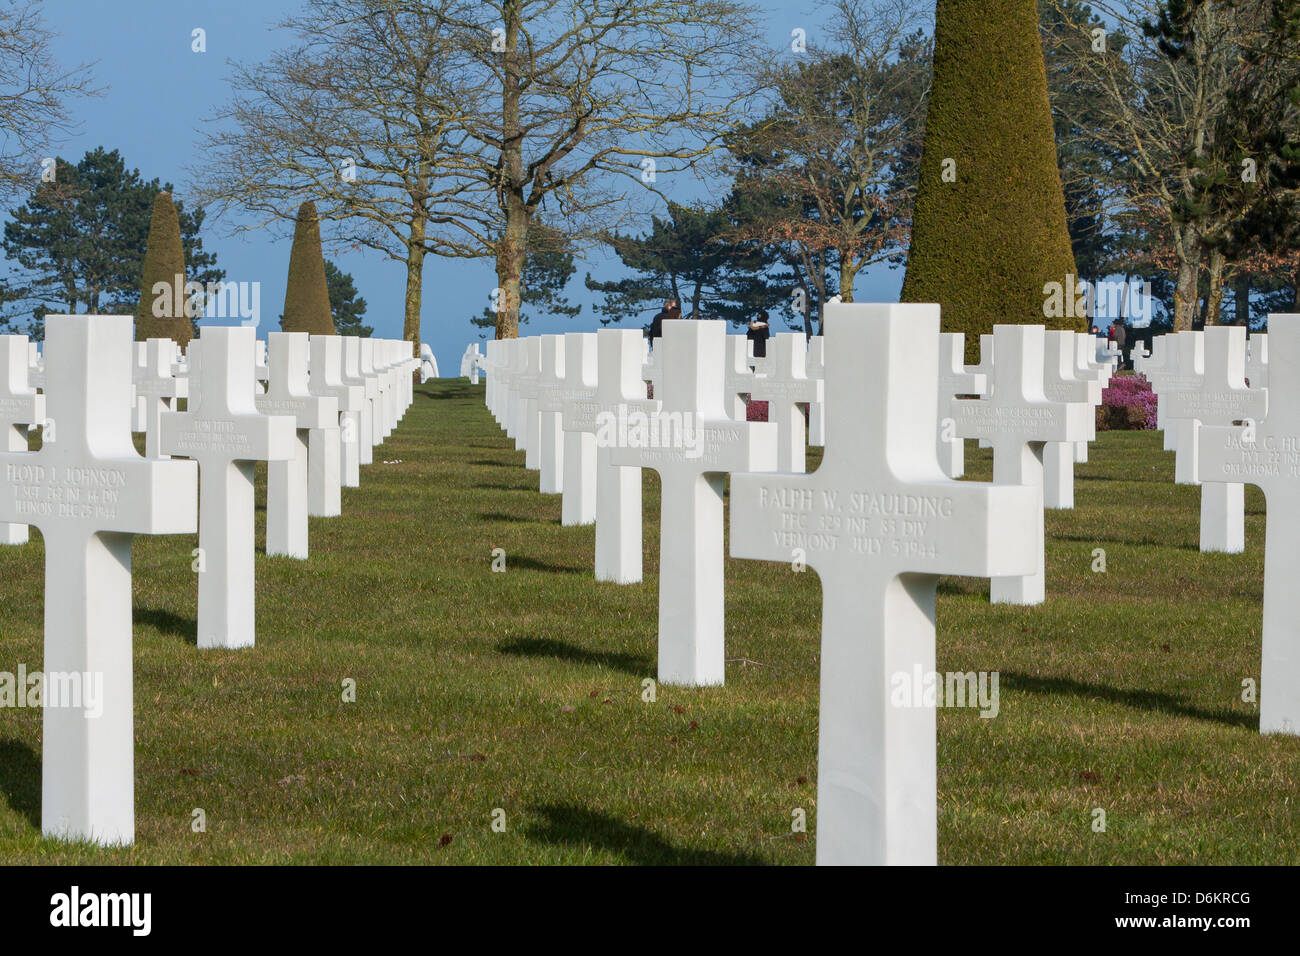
(1127, 402)
(755, 411)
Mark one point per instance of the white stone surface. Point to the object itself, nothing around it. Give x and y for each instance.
(1272, 462)
(879, 522)
(225, 433)
(550, 434)
(954, 379)
(784, 387)
(578, 406)
(1017, 420)
(620, 393)
(332, 451)
(692, 442)
(156, 389)
(1061, 383)
(20, 406)
(363, 427)
(89, 492)
(288, 393)
(1220, 398)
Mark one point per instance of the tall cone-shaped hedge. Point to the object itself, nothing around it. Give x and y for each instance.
(307, 297)
(161, 313)
(989, 231)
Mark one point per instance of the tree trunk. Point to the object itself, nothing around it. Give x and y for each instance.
(1213, 313)
(414, 282)
(1185, 294)
(512, 250)
(847, 274)
(1241, 296)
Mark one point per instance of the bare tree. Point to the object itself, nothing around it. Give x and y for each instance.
(34, 91)
(1156, 117)
(469, 123)
(840, 143)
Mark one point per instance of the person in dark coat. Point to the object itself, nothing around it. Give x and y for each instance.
(669, 311)
(758, 334)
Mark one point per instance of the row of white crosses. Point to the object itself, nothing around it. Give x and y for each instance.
(1199, 379)
(88, 491)
(879, 511)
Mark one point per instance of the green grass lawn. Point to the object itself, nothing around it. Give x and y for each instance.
(522, 690)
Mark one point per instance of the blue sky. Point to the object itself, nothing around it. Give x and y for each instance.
(158, 94)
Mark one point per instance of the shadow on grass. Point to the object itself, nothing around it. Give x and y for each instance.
(634, 664)
(494, 464)
(519, 519)
(578, 827)
(1107, 537)
(1149, 700)
(20, 779)
(169, 624)
(533, 564)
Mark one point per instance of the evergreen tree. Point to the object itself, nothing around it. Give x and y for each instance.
(164, 310)
(78, 243)
(346, 306)
(306, 295)
(989, 233)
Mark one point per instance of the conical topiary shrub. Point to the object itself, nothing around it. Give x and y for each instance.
(989, 233)
(307, 298)
(161, 312)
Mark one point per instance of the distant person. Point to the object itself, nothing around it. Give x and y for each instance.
(657, 323)
(1121, 342)
(758, 334)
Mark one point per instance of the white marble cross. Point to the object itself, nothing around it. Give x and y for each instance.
(89, 493)
(739, 378)
(1061, 383)
(550, 434)
(954, 379)
(332, 451)
(225, 433)
(880, 522)
(621, 396)
(371, 374)
(20, 406)
(1184, 367)
(817, 369)
(784, 387)
(1089, 371)
(1267, 454)
(693, 444)
(288, 393)
(528, 428)
(1257, 360)
(1017, 420)
(577, 401)
(471, 362)
(1220, 398)
(365, 416)
(156, 389)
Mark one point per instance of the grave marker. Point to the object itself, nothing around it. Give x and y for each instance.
(224, 432)
(784, 387)
(693, 444)
(20, 406)
(1017, 420)
(287, 393)
(89, 493)
(1271, 461)
(880, 522)
(332, 451)
(621, 396)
